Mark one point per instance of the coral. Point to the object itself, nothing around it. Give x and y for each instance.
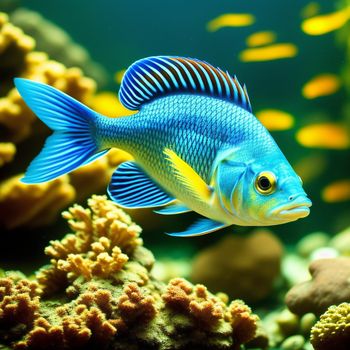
(19, 307)
(332, 331)
(33, 205)
(57, 43)
(95, 250)
(7, 152)
(79, 301)
(248, 263)
(329, 286)
(19, 127)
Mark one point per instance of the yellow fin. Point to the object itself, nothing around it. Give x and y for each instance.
(188, 176)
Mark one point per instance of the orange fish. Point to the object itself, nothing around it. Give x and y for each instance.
(338, 191)
(321, 85)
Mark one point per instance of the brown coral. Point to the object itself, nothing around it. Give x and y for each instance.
(84, 321)
(209, 310)
(332, 331)
(134, 305)
(329, 286)
(19, 302)
(111, 300)
(244, 323)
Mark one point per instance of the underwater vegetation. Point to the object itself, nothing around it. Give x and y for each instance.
(99, 292)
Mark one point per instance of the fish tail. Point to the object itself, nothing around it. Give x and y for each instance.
(74, 141)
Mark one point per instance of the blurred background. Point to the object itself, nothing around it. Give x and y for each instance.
(293, 56)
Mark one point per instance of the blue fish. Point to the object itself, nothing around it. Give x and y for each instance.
(196, 144)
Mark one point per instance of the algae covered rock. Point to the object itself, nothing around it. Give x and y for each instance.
(237, 265)
(329, 286)
(98, 292)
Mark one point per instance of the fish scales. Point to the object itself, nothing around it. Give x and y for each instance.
(195, 127)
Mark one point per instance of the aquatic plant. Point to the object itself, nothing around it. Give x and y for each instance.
(98, 291)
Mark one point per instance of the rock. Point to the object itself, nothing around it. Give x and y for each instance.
(324, 253)
(295, 269)
(288, 322)
(295, 342)
(311, 242)
(329, 286)
(242, 267)
(341, 242)
(307, 322)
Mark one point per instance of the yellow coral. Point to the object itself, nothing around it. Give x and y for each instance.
(104, 233)
(7, 152)
(22, 204)
(19, 301)
(18, 123)
(332, 331)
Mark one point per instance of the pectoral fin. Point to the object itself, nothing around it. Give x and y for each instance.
(130, 187)
(201, 227)
(188, 176)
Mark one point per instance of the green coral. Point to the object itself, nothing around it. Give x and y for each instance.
(332, 331)
(98, 292)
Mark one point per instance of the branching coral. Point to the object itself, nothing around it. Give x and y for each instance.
(95, 250)
(19, 306)
(332, 331)
(98, 292)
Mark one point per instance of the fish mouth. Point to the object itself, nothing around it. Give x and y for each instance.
(293, 211)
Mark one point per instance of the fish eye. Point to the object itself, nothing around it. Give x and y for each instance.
(265, 182)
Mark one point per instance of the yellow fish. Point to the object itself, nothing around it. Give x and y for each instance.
(321, 85)
(107, 103)
(323, 24)
(311, 9)
(338, 191)
(274, 119)
(269, 53)
(324, 135)
(260, 38)
(230, 20)
(118, 76)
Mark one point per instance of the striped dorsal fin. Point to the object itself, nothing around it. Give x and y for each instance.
(152, 77)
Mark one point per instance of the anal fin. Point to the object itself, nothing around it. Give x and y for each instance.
(200, 227)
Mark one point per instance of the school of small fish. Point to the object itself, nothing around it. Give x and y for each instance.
(262, 46)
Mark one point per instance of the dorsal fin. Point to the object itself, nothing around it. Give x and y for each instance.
(157, 76)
